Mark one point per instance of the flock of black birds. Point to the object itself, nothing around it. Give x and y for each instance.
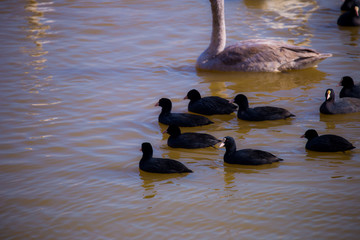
(349, 102)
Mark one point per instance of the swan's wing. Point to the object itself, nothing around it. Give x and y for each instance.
(264, 55)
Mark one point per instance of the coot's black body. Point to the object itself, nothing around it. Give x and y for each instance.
(179, 119)
(208, 105)
(259, 113)
(349, 88)
(189, 140)
(159, 165)
(351, 17)
(246, 156)
(343, 105)
(326, 143)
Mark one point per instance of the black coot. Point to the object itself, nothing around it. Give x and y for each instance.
(259, 113)
(343, 105)
(159, 165)
(351, 17)
(347, 4)
(246, 156)
(179, 119)
(349, 88)
(326, 143)
(208, 105)
(189, 139)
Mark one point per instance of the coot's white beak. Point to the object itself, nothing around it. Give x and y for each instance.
(328, 95)
(222, 144)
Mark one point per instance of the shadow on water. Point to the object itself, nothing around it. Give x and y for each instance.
(334, 120)
(353, 34)
(232, 170)
(259, 82)
(333, 157)
(152, 180)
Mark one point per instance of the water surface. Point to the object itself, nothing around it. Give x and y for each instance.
(79, 80)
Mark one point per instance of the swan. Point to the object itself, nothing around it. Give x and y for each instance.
(254, 55)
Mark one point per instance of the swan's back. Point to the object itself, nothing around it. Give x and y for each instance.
(257, 55)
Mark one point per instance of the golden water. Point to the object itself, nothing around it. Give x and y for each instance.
(79, 80)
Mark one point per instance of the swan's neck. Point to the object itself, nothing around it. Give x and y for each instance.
(218, 35)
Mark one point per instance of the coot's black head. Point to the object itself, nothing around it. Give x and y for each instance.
(193, 95)
(147, 150)
(330, 95)
(173, 130)
(165, 103)
(310, 134)
(347, 82)
(347, 4)
(242, 101)
(228, 142)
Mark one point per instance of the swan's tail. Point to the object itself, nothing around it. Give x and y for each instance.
(304, 62)
(325, 55)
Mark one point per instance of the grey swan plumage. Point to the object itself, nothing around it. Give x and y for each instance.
(255, 55)
(159, 165)
(326, 143)
(343, 105)
(246, 156)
